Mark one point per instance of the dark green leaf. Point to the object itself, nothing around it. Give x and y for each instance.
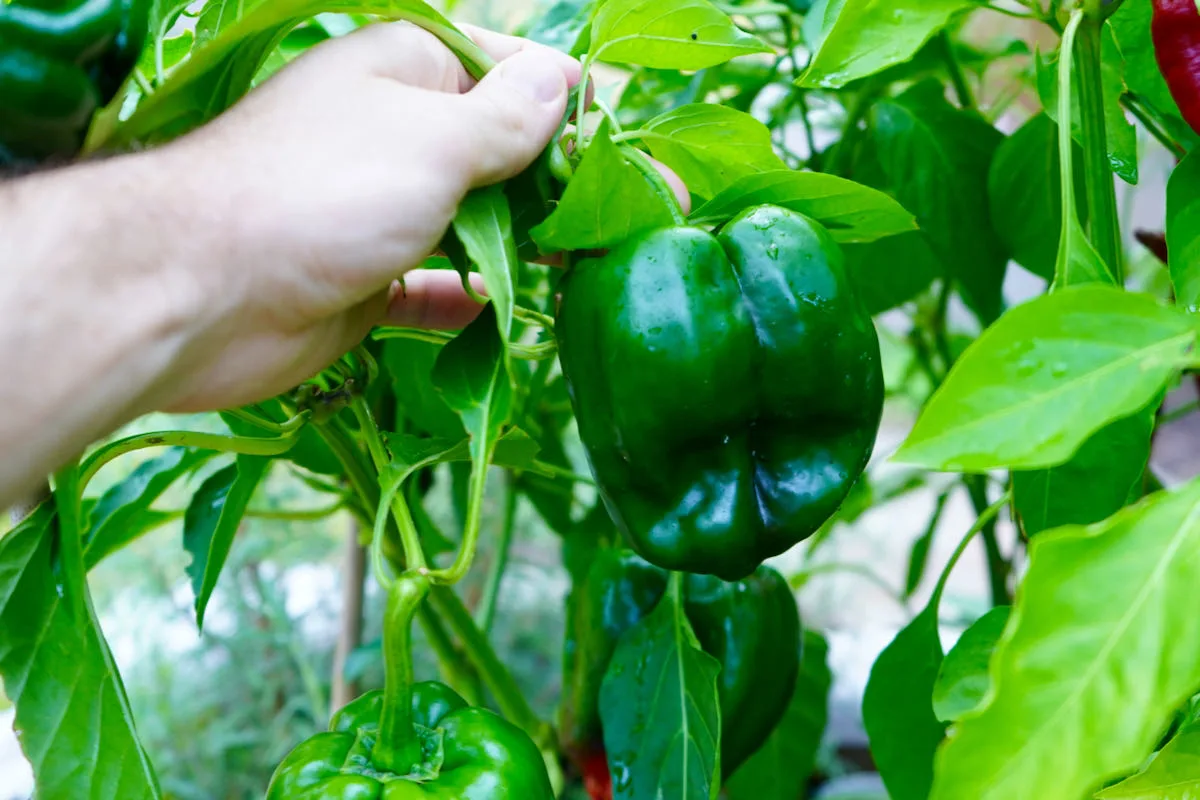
(868, 37)
(212, 520)
(73, 719)
(123, 512)
(891, 271)
(1094, 484)
(1183, 231)
(651, 92)
(658, 705)
(937, 159)
(687, 34)
(607, 201)
(710, 146)
(852, 212)
(409, 365)
(963, 680)
(782, 766)
(898, 710)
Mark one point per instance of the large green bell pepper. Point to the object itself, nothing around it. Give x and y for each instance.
(728, 387)
(752, 627)
(469, 754)
(60, 60)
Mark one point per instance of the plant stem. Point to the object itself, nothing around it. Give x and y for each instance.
(241, 445)
(397, 748)
(998, 568)
(68, 490)
(983, 523)
(410, 539)
(492, 670)
(1103, 220)
(957, 78)
(657, 181)
(1137, 108)
(486, 612)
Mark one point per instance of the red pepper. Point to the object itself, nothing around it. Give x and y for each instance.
(596, 778)
(1176, 32)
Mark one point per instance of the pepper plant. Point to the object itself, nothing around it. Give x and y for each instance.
(687, 396)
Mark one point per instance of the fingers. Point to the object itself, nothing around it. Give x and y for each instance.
(500, 46)
(676, 183)
(402, 52)
(433, 299)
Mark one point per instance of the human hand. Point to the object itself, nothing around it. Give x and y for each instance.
(333, 179)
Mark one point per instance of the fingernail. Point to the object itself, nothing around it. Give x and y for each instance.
(537, 77)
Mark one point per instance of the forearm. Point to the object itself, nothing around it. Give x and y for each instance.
(93, 317)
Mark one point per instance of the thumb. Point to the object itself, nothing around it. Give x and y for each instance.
(516, 110)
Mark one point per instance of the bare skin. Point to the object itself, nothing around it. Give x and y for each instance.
(242, 259)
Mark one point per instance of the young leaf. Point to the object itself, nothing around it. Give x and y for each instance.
(1183, 231)
(212, 520)
(118, 516)
(73, 719)
(1174, 774)
(484, 226)
(1047, 376)
(918, 556)
(937, 159)
(686, 35)
(1094, 483)
(782, 766)
(1103, 646)
(472, 375)
(869, 36)
(852, 212)
(658, 704)
(1025, 195)
(607, 201)
(710, 146)
(962, 682)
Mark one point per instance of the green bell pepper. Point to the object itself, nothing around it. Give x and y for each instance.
(59, 62)
(468, 754)
(728, 388)
(752, 627)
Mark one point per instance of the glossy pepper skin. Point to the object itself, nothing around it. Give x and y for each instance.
(1176, 33)
(59, 62)
(728, 387)
(752, 627)
(485, 757)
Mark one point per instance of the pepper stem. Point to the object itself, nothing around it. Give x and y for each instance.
(397, 748)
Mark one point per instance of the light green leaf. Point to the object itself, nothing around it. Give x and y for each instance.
(607, 201)
(659, 707)
(872, 35)
(1174, 774)
(1048, 375)
(484, 226)
(962, 682)
(710, 146)
(780, 769)
(687, 34)
(1103, 646)
(850, 211)
(212, 520)
(1183, 231)
(73, 719)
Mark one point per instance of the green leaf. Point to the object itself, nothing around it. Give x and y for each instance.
(782, 766)
(1048, 375)
(710, 146)
(471, 374)
(918, 556)
(229, 54)
(1094, 483)
(564, 26)
(123, 512)
(73, 719)
(1025, 195)
(852, 212)
(687, 34)
(962, 682)
(409, 366)
(897, 712)
(890, 272)
(1183, 231)
(1174, 774)
(658, 705)
(212, 520)
(937, 159)
(484, 226)
(1103, 646)
(607, 201)
(1122, 136)
(870, 36)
